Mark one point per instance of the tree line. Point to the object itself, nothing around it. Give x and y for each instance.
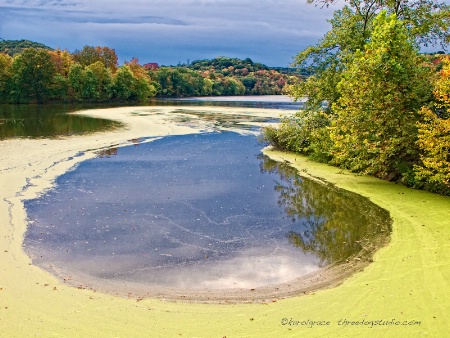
(375, 104)
(92, 75)
(38, 74)
(221, 76)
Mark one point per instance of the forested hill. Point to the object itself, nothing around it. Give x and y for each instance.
(220, 63)
(13, 47)
(222, 76)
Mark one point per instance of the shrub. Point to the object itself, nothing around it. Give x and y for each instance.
(305, 133)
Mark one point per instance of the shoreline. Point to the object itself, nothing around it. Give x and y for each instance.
(44, 305)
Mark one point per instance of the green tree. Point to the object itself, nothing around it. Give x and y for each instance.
(427, 22)
(76, 81)
(91, 88)
(249, 83)
(381, 92)
(144, 86)
(128, 87)
(163, 79)
(33, 73)
(124, 83)
(60, 88)
(207, 87)
(144, 89)
(5, 75)
(101, 80)
(180, 82)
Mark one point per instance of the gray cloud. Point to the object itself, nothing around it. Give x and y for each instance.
(169, 31)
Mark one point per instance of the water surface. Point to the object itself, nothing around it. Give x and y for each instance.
(37, 121)
(54, 120)
(252, 101)
(195, 211)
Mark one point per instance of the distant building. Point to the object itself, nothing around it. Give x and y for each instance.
(151, 65)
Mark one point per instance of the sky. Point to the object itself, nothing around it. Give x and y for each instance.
(169, 32)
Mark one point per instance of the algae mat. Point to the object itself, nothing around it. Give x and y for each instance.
(405, 292)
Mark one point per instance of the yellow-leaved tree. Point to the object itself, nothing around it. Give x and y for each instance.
(434, 138)
(382, 90)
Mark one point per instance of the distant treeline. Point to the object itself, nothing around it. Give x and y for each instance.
(31, 72)
(221, 76)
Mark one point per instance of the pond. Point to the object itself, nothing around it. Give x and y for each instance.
(194, 212)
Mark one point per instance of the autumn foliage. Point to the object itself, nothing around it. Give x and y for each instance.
(385, 120)
(221, 76)
(374, 129)
(92, 75)
(433, 172)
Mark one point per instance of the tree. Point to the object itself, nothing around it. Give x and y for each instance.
(89, 55)
(60, 88)
(327, 60)
(91, 89)
(144, 89)
(124, 83)
(33, 73)
(5, 75)
(144, 86)
(128, 87)
(102, 78)
(62, 60)
(163, 78)
(433, 172)
(138, 70)
(180, 81)
(232, 87)
(381, 91)
(427, 22)
(76, 81)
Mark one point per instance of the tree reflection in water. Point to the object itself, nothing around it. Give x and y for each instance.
(336, 224)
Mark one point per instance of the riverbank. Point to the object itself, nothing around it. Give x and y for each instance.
(408, 281)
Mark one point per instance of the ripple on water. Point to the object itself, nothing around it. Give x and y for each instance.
(201, 211)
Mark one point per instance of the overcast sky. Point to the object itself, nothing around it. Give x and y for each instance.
(170, 31)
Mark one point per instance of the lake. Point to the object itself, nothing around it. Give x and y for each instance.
(55, 120)
(204, 211)
(196, 212)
